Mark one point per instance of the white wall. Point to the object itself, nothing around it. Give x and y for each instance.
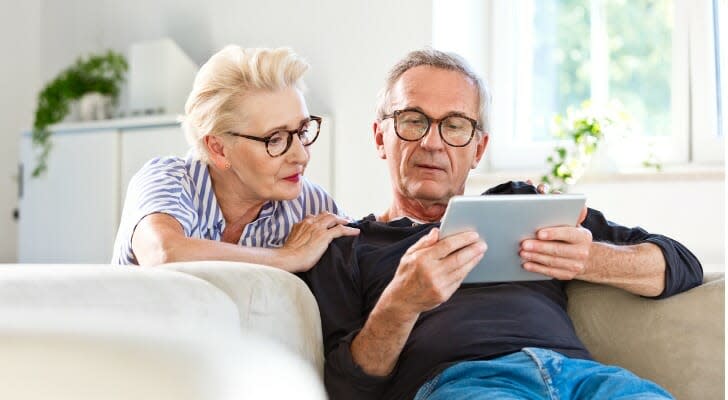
(349, 44)
(19, 41)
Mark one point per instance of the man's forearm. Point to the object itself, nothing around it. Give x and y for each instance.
(378, 345)
(639, 269)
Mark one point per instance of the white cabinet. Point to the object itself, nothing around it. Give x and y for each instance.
(56, 209)
(71, 213)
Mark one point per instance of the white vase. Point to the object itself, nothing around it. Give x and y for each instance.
(94, 106)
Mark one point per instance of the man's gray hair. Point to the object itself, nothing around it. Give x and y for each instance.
(437, 59)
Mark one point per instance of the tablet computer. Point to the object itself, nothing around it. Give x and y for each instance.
(503, 222)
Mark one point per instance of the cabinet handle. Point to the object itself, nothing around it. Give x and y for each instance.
(21, 178)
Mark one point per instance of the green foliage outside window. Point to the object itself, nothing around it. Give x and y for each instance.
(639, 37)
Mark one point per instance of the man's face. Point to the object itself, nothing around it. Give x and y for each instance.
(430, 170)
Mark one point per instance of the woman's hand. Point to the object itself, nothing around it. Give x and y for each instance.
(310, 238)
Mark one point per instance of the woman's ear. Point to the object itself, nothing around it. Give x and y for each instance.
(216, 149)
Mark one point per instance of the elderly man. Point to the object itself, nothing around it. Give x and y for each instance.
(397, 322)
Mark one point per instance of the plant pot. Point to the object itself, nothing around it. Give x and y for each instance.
(94, 106)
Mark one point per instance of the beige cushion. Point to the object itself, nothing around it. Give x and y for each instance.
(271, 302)
(677, 342)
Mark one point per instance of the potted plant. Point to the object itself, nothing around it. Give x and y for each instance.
(582, 131)
(98, 73)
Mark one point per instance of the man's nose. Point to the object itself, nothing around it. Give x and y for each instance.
(432, 139)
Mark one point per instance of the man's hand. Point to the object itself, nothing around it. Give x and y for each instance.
(431, 270)
(543, 188)
(560, 252)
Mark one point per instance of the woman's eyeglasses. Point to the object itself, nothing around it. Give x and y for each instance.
(278, 142)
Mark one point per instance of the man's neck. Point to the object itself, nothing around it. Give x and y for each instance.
(414, 209)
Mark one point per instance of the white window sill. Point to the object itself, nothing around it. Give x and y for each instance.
(685, 172)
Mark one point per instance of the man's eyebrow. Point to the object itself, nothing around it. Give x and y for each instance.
(459, 114)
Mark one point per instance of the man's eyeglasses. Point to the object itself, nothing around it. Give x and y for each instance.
(412, 125)
(278, 142)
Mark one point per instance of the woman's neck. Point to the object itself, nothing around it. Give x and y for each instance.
(238, 209)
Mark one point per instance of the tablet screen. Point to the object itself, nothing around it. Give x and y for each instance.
(503, 222)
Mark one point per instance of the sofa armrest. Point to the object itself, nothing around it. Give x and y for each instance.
(676, 342)
(271, 302)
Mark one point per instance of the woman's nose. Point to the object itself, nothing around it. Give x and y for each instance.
(298, 153)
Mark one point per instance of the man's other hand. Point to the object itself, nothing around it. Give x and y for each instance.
(543, 188)
(560, 252)
(432, 269)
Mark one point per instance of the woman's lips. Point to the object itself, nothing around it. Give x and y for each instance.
(293, 178)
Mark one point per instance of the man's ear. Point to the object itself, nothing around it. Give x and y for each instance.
(379, 139)
(480, 149)
(216, 150)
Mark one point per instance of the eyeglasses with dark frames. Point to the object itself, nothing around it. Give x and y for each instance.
(278, 142)
(412, 125)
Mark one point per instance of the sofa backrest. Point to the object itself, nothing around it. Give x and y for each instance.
(271, 302)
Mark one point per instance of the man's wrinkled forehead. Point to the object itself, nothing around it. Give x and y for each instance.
(435, 90)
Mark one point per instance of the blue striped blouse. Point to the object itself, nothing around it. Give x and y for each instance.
(182, 188)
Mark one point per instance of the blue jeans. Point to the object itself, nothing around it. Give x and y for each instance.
(538, 374)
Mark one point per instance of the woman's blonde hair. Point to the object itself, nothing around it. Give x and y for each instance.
(230, 75)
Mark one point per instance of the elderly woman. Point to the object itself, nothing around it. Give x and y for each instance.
(240, 194)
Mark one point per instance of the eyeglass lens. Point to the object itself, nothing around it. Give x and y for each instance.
(280, 141)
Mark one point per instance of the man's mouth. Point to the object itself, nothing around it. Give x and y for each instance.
(431, 167)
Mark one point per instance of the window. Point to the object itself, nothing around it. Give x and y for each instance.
(657, 58)
(720, 21)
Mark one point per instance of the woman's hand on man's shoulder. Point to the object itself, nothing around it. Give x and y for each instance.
(310, 238)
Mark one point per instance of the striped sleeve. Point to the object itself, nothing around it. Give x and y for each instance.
(162, 185)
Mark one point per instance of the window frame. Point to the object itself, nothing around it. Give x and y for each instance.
(695, 137)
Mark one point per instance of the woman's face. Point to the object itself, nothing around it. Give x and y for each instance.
(263, 177)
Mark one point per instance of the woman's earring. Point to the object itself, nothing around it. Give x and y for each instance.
(227, 164)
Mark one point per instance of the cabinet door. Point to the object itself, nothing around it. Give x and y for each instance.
(140, 145)
(68, 215)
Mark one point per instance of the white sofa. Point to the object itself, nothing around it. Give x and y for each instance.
(107, 332)
(218, 330)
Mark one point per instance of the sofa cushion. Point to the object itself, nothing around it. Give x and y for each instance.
(677, 342)
(103, 359)
(101, 332)
(64, 293)
(271, 302)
